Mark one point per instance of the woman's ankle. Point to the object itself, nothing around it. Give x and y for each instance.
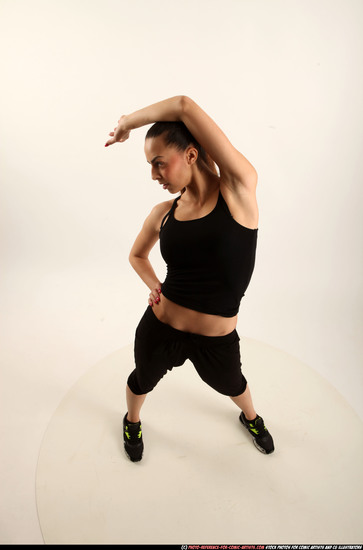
(134, 419)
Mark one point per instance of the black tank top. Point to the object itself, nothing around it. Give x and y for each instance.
(209, 260)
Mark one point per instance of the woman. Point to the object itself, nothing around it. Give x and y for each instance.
(208, 237)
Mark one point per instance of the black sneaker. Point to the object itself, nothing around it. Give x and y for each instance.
(261, 436)
(133, 443)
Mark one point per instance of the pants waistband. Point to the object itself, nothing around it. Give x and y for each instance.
(227, 338)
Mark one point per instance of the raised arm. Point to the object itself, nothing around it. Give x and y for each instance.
(235, 169)
(233, 166)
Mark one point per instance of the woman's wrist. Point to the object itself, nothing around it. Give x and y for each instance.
(155, 286)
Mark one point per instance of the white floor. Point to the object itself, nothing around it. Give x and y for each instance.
(59, 382)
(201, 479)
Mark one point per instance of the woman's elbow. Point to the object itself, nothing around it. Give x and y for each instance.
(185, 102)
(135, 259)
(132, 258)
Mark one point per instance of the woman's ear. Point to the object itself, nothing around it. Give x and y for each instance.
(191, 155)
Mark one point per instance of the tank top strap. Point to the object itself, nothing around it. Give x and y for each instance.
(167, 215)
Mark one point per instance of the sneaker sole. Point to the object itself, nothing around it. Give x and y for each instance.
(133, 459)
(261, 449)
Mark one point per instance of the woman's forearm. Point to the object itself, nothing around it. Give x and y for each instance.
(145, 271)
(166, 110)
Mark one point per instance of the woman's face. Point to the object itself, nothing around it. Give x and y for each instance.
(169, 166)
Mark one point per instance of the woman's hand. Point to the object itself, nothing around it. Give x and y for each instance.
(154, 296)
(120, 133)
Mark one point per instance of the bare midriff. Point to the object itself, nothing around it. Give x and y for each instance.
(188, 320)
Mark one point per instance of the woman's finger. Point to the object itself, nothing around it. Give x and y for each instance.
(110, 142)
(154, 297)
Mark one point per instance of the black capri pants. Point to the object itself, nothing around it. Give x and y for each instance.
(160, 347)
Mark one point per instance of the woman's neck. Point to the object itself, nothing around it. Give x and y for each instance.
(202, 187)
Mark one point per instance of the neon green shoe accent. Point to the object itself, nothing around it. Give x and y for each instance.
(251, 424)
(129, 436)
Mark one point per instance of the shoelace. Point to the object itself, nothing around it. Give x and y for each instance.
(257, 427)
(133, 433)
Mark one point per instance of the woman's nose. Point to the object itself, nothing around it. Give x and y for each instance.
(154, 174)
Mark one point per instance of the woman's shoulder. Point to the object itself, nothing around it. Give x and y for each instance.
(159, 211)
(162, 208)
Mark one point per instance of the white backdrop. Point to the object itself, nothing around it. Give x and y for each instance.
(282, 78)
